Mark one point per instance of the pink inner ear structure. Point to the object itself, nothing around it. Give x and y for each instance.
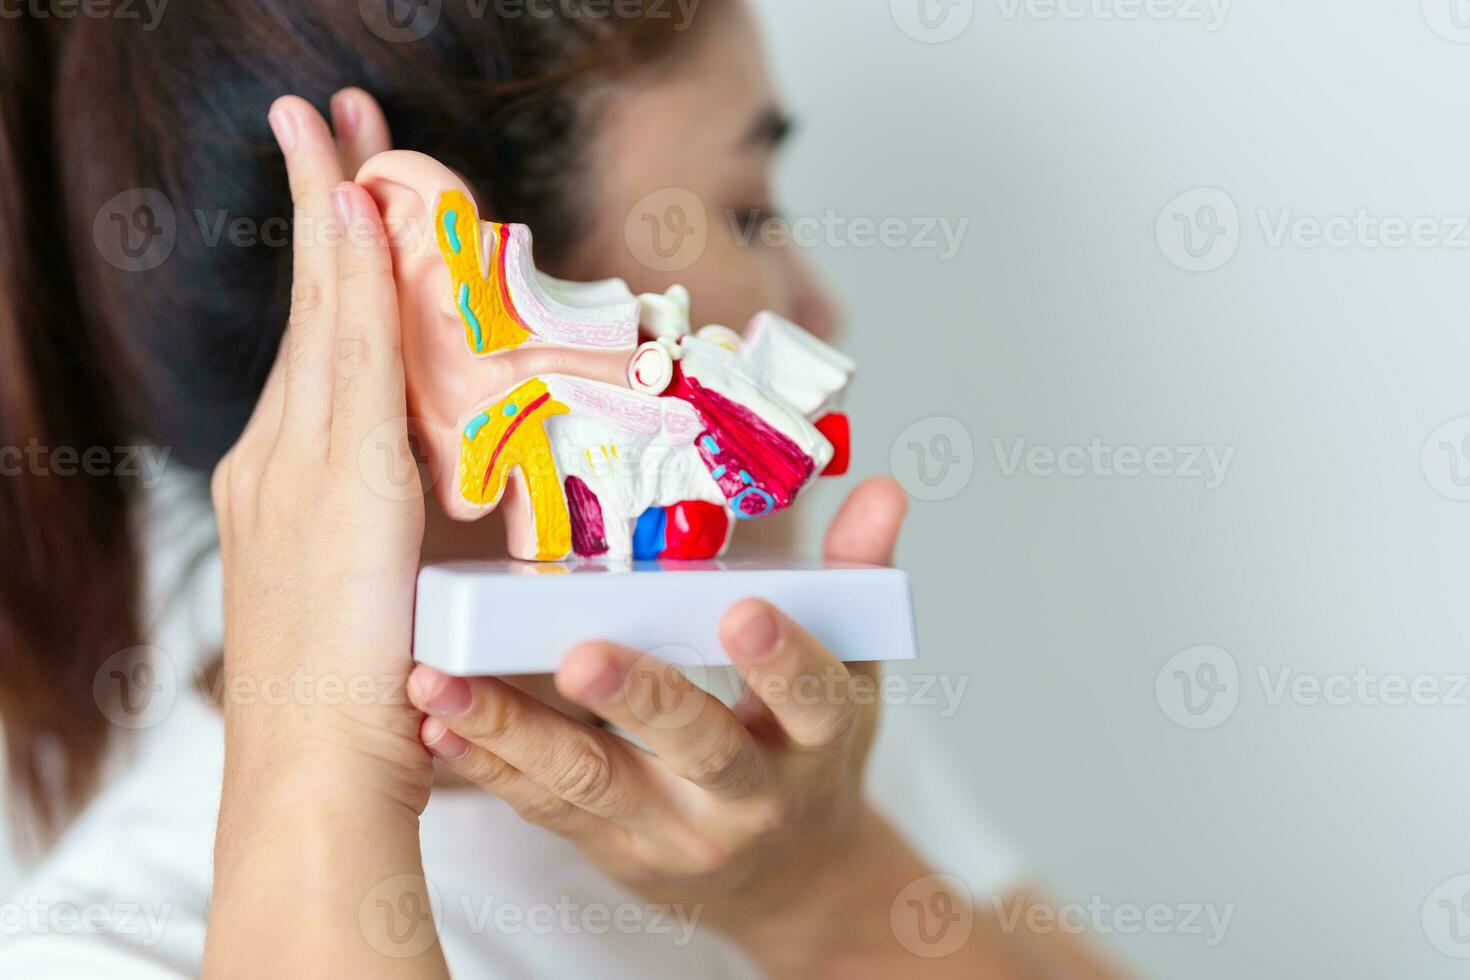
(758, 469)
(533, 395)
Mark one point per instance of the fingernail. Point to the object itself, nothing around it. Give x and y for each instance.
(437, 693)
(756, 636)
(342, 204)
(599, 684)
(439, 740)
(283, 124)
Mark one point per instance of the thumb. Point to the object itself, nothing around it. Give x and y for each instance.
(866, 527)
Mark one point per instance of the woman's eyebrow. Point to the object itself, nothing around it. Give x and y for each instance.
(772, 127)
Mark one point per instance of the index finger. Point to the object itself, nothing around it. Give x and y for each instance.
(368, 387)
(313, 169)
(691, 731)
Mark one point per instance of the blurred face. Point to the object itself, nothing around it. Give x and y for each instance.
(682, 176)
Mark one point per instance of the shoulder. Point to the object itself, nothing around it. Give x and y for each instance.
(125, 891)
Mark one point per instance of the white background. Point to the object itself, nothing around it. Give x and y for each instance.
(1327, 548)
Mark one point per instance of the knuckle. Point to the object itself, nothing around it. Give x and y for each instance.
(544, 810)
(769, 816)
(306, 297)
(242, 482)
(586, 775)
(353, 355)
(273, 513)
(707, 855)
(723, 764)
(497, 716)
(278, 482)
(485, 769)
(306, 191)
(832, 728)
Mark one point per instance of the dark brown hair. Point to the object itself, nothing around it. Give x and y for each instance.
(98, 350)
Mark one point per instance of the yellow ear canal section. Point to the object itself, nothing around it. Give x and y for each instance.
(485, 307)
(511, 435)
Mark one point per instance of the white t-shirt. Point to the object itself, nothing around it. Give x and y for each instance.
(124, 894)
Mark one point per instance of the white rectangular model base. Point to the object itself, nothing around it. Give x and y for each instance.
(510, 617)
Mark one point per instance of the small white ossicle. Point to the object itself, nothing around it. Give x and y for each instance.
(651, 370)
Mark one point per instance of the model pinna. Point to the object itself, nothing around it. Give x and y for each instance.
(598, 421)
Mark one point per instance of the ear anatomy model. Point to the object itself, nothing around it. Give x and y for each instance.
(535, 396)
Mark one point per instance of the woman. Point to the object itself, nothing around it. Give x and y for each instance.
(742, 842)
